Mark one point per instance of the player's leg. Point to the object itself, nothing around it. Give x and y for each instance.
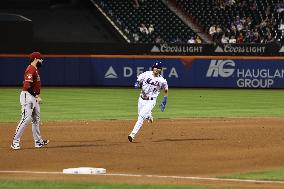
(36, 123)
(39, 142)
(144, 112)
(140, 105)
(27, 109)
(146, 108)
(150, 118)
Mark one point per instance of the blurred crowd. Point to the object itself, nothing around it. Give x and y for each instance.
(245, 21)
(246, 29)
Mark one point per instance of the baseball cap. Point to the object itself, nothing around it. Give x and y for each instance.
(36, 55)
(157, 65)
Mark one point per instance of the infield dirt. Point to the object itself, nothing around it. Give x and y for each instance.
(183, 147)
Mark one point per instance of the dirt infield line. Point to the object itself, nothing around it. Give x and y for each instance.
(157, 176)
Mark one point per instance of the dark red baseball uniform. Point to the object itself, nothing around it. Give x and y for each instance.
(32, 79)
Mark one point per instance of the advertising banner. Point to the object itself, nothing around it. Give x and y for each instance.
(171, 49)
(221, 73)
(179, 72)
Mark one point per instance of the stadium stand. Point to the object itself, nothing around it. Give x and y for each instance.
(150, 21)
(243, 21)
(135, 19)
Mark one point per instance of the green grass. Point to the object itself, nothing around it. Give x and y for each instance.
(38, 184)
(274, 175)
(71, 104)
(121, 103)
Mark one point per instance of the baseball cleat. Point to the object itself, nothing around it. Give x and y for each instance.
(40, 144)
(130, 138)
(150, 119)
(15, 146)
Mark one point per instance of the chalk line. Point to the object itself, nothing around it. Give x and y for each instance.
(157, 176)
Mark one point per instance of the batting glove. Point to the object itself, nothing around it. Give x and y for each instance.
(163, 103)
(137, 85)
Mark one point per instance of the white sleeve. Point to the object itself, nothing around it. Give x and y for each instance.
(165, 84)
(141, 77)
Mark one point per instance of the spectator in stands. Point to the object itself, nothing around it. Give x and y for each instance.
(280, 7)
(268, 30)
(233, 28)
(269, 39)
(198, 40)
(218, 34)
(118, 21)
(231, 2)
(223, 4)
(136, 37)
(218, 29)
(143, 29)
(151, 28)
(126, 30)
(263, 23)
(281, 27)
(248, 21)
(212, 30)
(238, 23)
(246, 29)
(248, 36)
(176, 40)
(232, 39)
(240, 38)
(159, 40)
(224, 39)
(191, 40)
(256, 37)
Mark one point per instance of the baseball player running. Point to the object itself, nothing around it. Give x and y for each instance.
(30, 101)
(150, 82)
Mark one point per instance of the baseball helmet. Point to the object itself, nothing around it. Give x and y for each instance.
(36, 55)
(157, 65)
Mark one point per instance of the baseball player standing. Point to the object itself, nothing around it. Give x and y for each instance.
(150, 82)
(30, 101)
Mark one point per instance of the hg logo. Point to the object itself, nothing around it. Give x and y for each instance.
(222, 68)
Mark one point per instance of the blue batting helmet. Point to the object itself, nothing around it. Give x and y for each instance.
(157, 65)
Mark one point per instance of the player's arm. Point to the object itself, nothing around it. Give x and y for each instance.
(139, 81)
(165, 87)
(28, 80)
(28, 87)
(166, 91)
(31, 91)
(165, 99)
(138, 84)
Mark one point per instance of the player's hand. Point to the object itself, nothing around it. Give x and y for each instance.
(163, 103)
(137, 85)
(39, 100)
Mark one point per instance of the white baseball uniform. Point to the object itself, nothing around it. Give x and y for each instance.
(151, 87)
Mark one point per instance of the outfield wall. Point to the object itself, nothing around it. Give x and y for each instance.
(182, 71)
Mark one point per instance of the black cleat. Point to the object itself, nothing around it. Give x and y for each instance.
(130, 138)
(41, 144)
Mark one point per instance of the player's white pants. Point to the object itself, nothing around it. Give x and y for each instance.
(144, 110)
(30, 112)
